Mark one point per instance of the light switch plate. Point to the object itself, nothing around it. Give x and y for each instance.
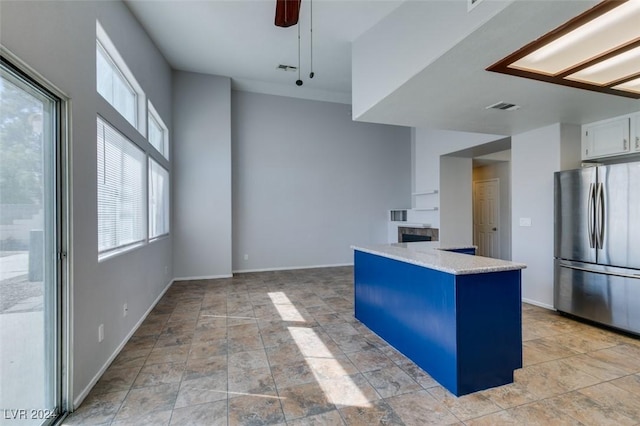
(525, 221)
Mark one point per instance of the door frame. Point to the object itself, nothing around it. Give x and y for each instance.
(64, 227)
(475, 207)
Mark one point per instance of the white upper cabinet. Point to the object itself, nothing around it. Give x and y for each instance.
(635, 132)
(607, 138)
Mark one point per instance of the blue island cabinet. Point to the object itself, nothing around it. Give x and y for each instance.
(464, 330)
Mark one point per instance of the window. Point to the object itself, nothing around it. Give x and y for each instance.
(158, 132)
(121, 186)
(116, 84)
(158, 200)
(114, 87)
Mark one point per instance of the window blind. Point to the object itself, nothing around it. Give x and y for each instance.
(121, 190)
(158, 200)
(114, 87)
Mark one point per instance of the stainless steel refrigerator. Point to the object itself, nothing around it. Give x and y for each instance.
(597, 244)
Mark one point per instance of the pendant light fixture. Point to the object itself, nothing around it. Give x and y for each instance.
(288, 14)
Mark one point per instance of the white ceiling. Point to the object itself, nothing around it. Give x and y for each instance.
(238, 39)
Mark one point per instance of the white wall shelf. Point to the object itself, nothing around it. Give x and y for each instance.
(429, 192)
(422, 209)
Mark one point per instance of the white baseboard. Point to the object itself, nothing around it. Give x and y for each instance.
(92, 383)
(536, 303)
(204, 277)
(291, 268)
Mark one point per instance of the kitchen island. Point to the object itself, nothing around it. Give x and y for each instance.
(457, 316)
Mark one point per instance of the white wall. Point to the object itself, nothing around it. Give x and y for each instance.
(410, 28)
(536, 155)
(58, 39)
(202, 175)
(501, 171)
(308, 182)
(429, 146)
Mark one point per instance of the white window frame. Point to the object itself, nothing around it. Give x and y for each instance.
(109, 48)
(152, 114)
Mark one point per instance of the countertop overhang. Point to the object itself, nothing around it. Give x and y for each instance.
(434, 255)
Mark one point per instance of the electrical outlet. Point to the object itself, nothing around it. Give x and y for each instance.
(100, 333)
(125, 310)
(166, 269)
(525, 221)
(246, 257)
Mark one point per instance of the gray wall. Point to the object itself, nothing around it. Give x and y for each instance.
(308, 181)
(202, 176)
(456, 221)
(57, 39)
(535, 156)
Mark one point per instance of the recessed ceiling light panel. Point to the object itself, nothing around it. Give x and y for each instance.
(597, 50)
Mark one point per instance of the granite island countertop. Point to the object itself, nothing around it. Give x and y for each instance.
(434, 255)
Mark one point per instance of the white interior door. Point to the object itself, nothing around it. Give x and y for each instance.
(486, 217)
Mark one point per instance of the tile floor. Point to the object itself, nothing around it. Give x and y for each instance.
(283, 348)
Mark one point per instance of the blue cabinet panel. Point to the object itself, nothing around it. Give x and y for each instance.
(464, 330)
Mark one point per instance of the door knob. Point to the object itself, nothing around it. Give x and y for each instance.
(494, 229)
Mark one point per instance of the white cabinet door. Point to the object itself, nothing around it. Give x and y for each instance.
(635, 132)
(606, 138)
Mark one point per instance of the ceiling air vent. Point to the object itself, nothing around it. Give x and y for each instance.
(504, 106)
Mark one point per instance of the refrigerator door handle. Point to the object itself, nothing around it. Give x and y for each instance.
(600, 216)
(615, 274)
(591, 206)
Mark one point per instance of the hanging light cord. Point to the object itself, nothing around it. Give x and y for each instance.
(299, 81)
(311, 74)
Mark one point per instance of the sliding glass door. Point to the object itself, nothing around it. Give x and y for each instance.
(30, 251)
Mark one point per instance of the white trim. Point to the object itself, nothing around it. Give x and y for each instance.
(539, 304)
(203, 277)
(292, 268)
(92, 383)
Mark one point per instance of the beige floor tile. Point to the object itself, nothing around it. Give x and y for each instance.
(202, 390)
(369, 360)
(588, 411)
(629, 383)
(541, 414)
(298, 373)
(304, 400)
(542, 350)
(168, 354)
(116, 379)
(143, 401)
(464, 407)
(619, 400)
(391, 381)
(331, 367)
(97, 409)
(258, 381)
(156, 418)
(596, 367)
(201, 367)
(553, 378)
(376, 413)
(248, 360)
(348, 391)
(421, 408)
(211, 414)
(501, 418)
(510, 395)
(159, 374)
(259, 342)
(325, 419)
(256, 410)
